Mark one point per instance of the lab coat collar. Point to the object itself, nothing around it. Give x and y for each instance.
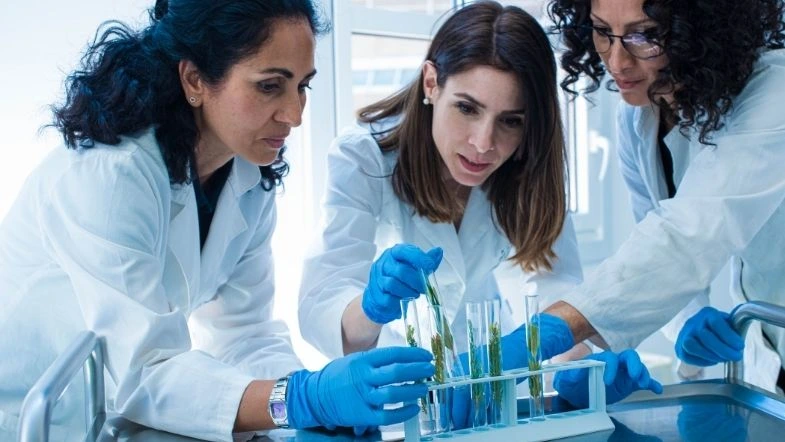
(229, 220)
(244, 176)
(227, 224)
(184, 240)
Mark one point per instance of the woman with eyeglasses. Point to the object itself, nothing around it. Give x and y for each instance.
(701, 141)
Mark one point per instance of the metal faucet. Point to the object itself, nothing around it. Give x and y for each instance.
(741, 317)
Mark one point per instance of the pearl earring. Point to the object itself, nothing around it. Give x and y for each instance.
(192, 100)
(426, 101)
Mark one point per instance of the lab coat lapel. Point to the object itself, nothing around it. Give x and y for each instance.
(484, 242)
(228, 222)
(651, 167)
(182, 264)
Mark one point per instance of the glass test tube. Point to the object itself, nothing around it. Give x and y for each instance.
(413, 328)
(439, 337)
(433, 295)
(493, 319)
(477, 337)
(536, 394)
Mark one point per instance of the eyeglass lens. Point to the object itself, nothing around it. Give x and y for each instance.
(637, 44)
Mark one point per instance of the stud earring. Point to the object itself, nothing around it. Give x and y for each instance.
(426, 101)
(192, 100)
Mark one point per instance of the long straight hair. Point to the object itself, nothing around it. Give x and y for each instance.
(527, 192)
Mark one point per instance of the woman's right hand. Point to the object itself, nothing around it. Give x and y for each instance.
(396, 275)
(352, 391)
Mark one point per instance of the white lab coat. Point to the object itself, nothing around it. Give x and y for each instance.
(729, 205)
(99, 239)
(362, 217)
(641, 168)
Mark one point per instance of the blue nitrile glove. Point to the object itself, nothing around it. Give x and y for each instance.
(396, 275)
(624, 374)
(555, 338)
(352, 391)
(708, 338)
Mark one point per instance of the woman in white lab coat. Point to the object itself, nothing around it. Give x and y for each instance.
(700, 140)
(153, 230)
(470, 159)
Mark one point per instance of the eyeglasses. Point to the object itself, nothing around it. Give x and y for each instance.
(640, 45)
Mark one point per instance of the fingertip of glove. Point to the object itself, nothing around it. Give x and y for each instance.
(435, 255)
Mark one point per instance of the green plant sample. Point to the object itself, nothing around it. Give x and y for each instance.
(438, 358)
(445, 330)
(410, 336)
(430, 292)
(495, 361)
(434, 299)
(533, 338)
(475, 370)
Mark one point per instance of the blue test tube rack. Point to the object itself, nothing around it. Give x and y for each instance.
(551, 426)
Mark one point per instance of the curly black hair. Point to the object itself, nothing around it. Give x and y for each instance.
(129, 81)
(711, 45)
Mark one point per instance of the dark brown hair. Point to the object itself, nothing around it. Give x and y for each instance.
(527, 192)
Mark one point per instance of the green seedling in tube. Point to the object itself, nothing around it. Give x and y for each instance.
(495, 362)
(533, 336)
(438, 358)
(475, 370)
(410, 336)
(434, 299)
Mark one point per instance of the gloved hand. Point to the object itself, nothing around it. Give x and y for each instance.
(624, 374)
(397, 274)
(352, 391)
(555, 338)
(708, 338)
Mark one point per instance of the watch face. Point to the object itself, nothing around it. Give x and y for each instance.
(278, 410)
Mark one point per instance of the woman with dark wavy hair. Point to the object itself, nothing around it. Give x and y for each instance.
(153, 230)
(701, 141)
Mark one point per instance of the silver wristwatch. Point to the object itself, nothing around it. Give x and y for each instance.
(277, 402)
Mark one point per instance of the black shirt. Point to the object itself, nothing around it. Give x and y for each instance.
(207, 194)
(666, 158)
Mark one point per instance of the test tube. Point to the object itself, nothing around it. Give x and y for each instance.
(413, 328)
(439, 337)
(477, 337)
(411, 322)
(453, 367)
(493, 319)
(536, 394)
